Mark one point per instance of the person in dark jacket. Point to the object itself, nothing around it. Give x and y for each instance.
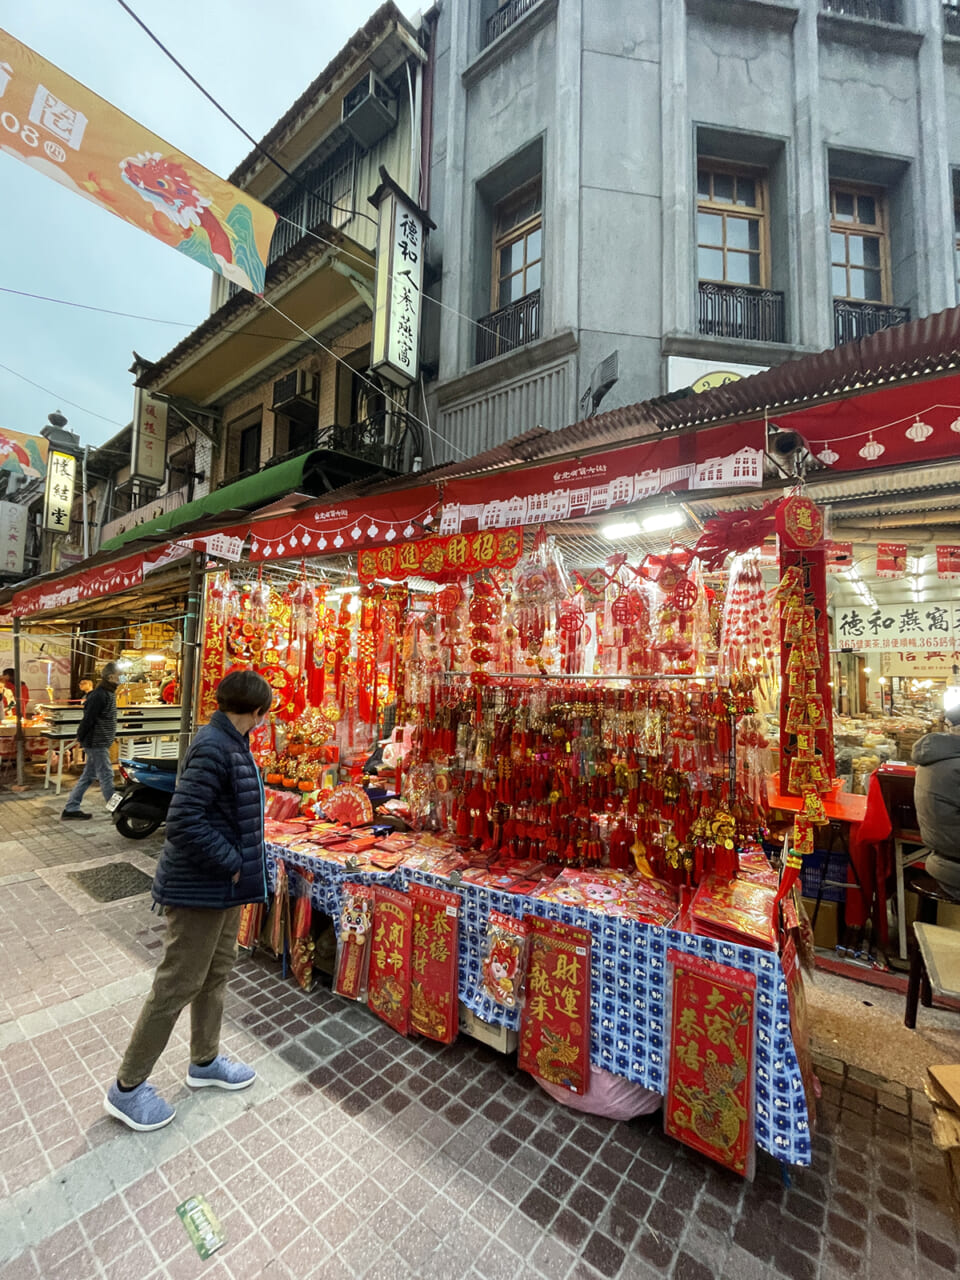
(936, 795)
(96, 733)
(213, 863)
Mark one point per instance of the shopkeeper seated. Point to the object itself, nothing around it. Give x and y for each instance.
(936, 796)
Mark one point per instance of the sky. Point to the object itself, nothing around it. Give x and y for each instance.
(255, 58)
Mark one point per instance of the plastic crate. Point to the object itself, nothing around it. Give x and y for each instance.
(836, 871)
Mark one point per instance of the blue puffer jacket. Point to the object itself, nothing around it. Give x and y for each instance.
(214, 825)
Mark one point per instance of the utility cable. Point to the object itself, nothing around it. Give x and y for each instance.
(61, 399)
(236, 124)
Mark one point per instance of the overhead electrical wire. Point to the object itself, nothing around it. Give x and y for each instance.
(61, 399)
(236, 124)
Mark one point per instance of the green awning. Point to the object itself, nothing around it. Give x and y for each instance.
(297, 475)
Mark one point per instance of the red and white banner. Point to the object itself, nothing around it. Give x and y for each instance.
(916, 422)
(948, 562)
(360, 522)
(839, 555)
(718, 458)
(89, 584)
(891, 559)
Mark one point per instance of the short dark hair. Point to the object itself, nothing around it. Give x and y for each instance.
(8, 673)
(243, 692)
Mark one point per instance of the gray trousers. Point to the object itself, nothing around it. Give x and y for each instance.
(96, 769)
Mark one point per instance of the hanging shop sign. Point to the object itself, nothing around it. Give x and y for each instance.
(13, 536)
(59, 127)
(948, 562)
(931, 625)
(907, 424)
(58, 493)
(148, 452)
(891, 559)
(839, 555)
(441, 558)
(720, 458)
(705, 375)
(932, 664)
(395, 349)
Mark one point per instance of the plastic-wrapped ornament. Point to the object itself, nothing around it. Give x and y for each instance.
(258, 605)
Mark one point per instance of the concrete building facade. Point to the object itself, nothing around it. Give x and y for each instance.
(731, 182)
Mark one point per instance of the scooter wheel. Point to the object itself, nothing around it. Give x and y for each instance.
(137, 828)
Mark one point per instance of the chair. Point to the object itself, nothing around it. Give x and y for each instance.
(927, 946)
(897, 791)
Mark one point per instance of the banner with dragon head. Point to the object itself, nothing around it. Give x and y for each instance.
(62, 129)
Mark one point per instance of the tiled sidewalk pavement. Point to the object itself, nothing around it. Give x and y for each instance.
(358, 1153)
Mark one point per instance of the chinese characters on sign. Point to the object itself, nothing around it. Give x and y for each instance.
(399, 283)
(555, 1024)
(434, 1010)
(443, 558)
(58, 126)
(58, 496)
(901, 626)
(13, 534)
(390, 950)
(149, 451)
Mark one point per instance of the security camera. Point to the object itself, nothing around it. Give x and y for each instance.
(785, 443)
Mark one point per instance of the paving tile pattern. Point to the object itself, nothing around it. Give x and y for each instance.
(361, 1154)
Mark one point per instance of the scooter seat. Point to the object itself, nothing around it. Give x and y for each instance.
(164, 765)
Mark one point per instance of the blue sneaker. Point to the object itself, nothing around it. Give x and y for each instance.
(221, 1073)
(142, 1108)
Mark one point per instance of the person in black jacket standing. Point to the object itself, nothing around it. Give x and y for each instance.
(213, 863)
(97, 730)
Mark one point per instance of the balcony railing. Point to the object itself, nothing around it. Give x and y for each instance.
(875, 10)
(852, 320)
(391, 439)
(738, 311)
(951, 19)
(160, 506)
(504, 18)
(512, 326)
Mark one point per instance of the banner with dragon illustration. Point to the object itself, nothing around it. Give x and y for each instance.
(555, 1026)
(709, 1103)
(62, 129)
(434, 1008)
(388, 979)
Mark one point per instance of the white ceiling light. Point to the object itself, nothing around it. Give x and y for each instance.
(626, 529)
(672, 518)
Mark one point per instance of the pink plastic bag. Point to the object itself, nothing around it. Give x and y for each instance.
(609, 1095)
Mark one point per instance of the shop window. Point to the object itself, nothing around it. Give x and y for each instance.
(859, 252)
(732, 232)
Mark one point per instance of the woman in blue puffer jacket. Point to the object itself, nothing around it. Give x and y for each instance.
(213, 862)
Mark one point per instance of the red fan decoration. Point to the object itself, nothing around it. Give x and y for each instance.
(350, 805)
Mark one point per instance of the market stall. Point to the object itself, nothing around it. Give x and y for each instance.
(552, 749)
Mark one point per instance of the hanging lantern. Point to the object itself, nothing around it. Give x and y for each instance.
(872, 449)
(919, 430)
(258, 603)
(828, 456)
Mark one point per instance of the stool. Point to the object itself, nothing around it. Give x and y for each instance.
(918, 983)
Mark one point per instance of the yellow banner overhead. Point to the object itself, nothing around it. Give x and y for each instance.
(59, 127)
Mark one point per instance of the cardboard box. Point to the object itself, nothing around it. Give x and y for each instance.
(825, 930)
(943, 1090)
(500, 1038)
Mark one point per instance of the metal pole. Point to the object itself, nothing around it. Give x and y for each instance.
(191, 630)
(19, 735)
(86, 529)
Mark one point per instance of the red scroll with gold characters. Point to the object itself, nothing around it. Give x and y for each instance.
(443, 558)
(388, 980)
(353, 942)
(709, 1100)
(434, 1010)
(555, 1026)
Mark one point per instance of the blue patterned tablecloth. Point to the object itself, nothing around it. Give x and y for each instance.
(629, 991)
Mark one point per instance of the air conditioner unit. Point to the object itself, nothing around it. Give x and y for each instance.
(604, 375)
(296, 388)
(369, 111)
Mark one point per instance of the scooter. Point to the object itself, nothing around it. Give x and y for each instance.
(148, 789)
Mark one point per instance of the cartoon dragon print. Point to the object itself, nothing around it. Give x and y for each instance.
(166, 185)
